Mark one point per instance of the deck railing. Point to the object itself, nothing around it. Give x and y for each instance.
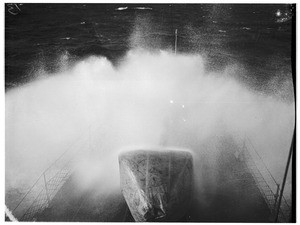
(52, 179)
(265, 181)
(41, 193)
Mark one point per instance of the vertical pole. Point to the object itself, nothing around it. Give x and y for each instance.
(276, 196)
(147, 175)
(175, 49)
(170, 177)
(46, 187)
(284, 177)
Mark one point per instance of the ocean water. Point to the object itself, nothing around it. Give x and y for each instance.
(72, 68)
(249, 34)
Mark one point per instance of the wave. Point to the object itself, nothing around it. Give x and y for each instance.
(143, 8)
(121, 8)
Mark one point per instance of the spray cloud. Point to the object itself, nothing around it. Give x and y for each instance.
(133, 105)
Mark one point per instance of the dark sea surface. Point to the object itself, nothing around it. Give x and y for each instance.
(255, 36)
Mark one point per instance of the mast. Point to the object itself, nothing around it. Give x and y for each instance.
(175, 48)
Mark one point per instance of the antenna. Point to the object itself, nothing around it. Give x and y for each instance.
(175, 49)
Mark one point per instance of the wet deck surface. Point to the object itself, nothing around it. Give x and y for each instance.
(236, 198)
(232, 197)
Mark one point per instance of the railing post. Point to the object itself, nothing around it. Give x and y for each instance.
(276, 196)
(175, 48)
(275, 202)
(284, 177)
(46, 188)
